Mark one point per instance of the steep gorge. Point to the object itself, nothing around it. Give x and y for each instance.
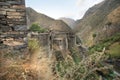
(96, 20)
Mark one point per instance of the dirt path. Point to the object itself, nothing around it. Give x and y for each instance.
(41, 64)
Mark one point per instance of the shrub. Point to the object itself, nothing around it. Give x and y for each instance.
(33, 45)
(84, 70)
(36, 28)
(94, 35)
(75, 55)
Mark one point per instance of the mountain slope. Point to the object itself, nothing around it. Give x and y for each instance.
(60, 26)
(35, 17)
(68, 21)
(95, 22)
(45, 21)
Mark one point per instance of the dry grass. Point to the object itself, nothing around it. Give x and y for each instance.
(35, 67)
(114, 17)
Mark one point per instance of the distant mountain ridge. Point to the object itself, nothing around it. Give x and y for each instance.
(45, 21)
(68, 21)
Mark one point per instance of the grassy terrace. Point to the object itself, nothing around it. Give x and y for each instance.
(112, 45)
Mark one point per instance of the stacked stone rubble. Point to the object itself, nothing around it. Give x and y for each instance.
(12, 16)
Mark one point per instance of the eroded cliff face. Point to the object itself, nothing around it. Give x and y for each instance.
(99, 21)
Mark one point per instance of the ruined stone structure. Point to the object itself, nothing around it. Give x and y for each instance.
(56, 40)
(12, 18)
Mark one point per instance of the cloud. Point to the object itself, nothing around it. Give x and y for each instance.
(79, 2)
(68, 8)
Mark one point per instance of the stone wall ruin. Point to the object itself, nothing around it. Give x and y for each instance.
(12, 18)
(56, 40)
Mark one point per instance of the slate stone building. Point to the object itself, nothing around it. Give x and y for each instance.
(12, 18)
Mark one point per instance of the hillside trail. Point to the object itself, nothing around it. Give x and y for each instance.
(41, 64)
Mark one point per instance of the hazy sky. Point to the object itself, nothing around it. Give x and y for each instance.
(62, 8)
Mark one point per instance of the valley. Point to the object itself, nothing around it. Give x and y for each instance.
(34, 46)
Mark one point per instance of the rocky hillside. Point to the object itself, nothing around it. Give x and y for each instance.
(35, 17)
(68, 21)
(99, 22)
(60, 26)
(45, 21)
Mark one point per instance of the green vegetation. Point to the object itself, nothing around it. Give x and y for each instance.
(72, 60)
(75, 55)
(94, 35)
(85, 69)
(33, 45)
(114, 50)
(107, 43)
(36, 28)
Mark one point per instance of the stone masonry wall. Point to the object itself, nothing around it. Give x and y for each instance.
(12, 16)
